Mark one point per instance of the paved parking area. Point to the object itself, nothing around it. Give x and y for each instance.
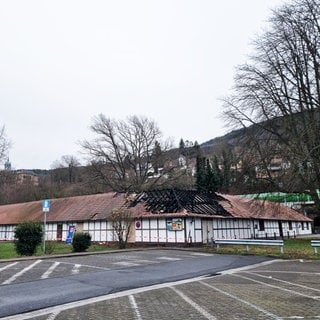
(272, 290)
(36, 269)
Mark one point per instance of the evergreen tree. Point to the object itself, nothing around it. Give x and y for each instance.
(182, 146)
(197, 149)
(208, 176)
(201, 173)
(157, 157)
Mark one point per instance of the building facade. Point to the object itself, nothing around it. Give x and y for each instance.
(160, 217)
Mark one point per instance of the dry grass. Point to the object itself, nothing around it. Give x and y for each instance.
(293, 249)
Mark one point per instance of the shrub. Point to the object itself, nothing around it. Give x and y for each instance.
(81, 241)
(28, 236)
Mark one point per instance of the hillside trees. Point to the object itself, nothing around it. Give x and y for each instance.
(66, 170)
(277, 96)
(124, 151)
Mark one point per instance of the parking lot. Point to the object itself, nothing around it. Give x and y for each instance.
(36, 269)
(271, 290)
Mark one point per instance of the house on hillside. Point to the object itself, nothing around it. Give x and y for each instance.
(161, 217)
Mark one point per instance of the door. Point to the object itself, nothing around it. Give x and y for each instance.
(59, 231)
(280, 229)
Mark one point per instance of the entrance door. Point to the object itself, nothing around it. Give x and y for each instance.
(59, 232)
(280, 229)
(317, 225)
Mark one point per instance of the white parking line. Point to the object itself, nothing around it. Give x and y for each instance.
(169, 258)
(8, 266)
(277, 287)
(53, 315)
(284, 281)
(76, 269)
(81, 303)
(201, 254)
(126, 264)
(135, 308)
(20, 273)
(84, 265)
(50, 270)
(194, 305)
(269, 314)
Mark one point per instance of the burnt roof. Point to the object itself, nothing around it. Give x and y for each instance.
(167, 203)
(175, 201)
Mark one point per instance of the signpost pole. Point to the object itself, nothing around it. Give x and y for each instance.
(45, 209)
(44, 231)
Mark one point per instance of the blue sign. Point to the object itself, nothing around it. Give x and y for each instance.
(71, 232)
(46, 205)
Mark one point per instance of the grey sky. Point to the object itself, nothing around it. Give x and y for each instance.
(64, 61)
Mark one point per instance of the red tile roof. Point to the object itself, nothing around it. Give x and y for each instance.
(240, 207)
(81, 208)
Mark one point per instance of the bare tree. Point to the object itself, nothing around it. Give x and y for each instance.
(277, 95)
(4, 144)
(122, 220)
(123, 152)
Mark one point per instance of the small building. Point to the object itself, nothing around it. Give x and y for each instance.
(161, 217)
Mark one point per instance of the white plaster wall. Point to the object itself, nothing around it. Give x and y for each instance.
(154, 236)
(162, 235)
(7, 232)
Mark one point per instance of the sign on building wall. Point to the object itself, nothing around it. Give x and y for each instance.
(174, 224)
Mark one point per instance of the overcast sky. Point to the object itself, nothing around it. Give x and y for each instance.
(64, 61)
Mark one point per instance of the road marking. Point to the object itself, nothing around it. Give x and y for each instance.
(287, 272)
(201, 254)
(84, 265)
(135, 308)
(50, 270)
(269, 314)
(76, 269)
(194, 305)
(284, 281)
(169, 258)
(85, 302)
(53, 315)
(277, 287)
(126, 264)
(81, 303)
(8, 266)
(20, 273)
(249, 267)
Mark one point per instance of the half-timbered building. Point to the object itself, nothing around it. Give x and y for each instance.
(161, 217)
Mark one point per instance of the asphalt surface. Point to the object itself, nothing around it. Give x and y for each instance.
(166, 284)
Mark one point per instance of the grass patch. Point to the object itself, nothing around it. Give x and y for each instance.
(7, 249)
(293, 249)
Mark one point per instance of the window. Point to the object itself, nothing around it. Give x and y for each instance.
(290, 225)
(261, 225)
(59, 231)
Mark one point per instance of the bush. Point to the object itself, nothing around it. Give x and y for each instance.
(28, 236)
(81, 241)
